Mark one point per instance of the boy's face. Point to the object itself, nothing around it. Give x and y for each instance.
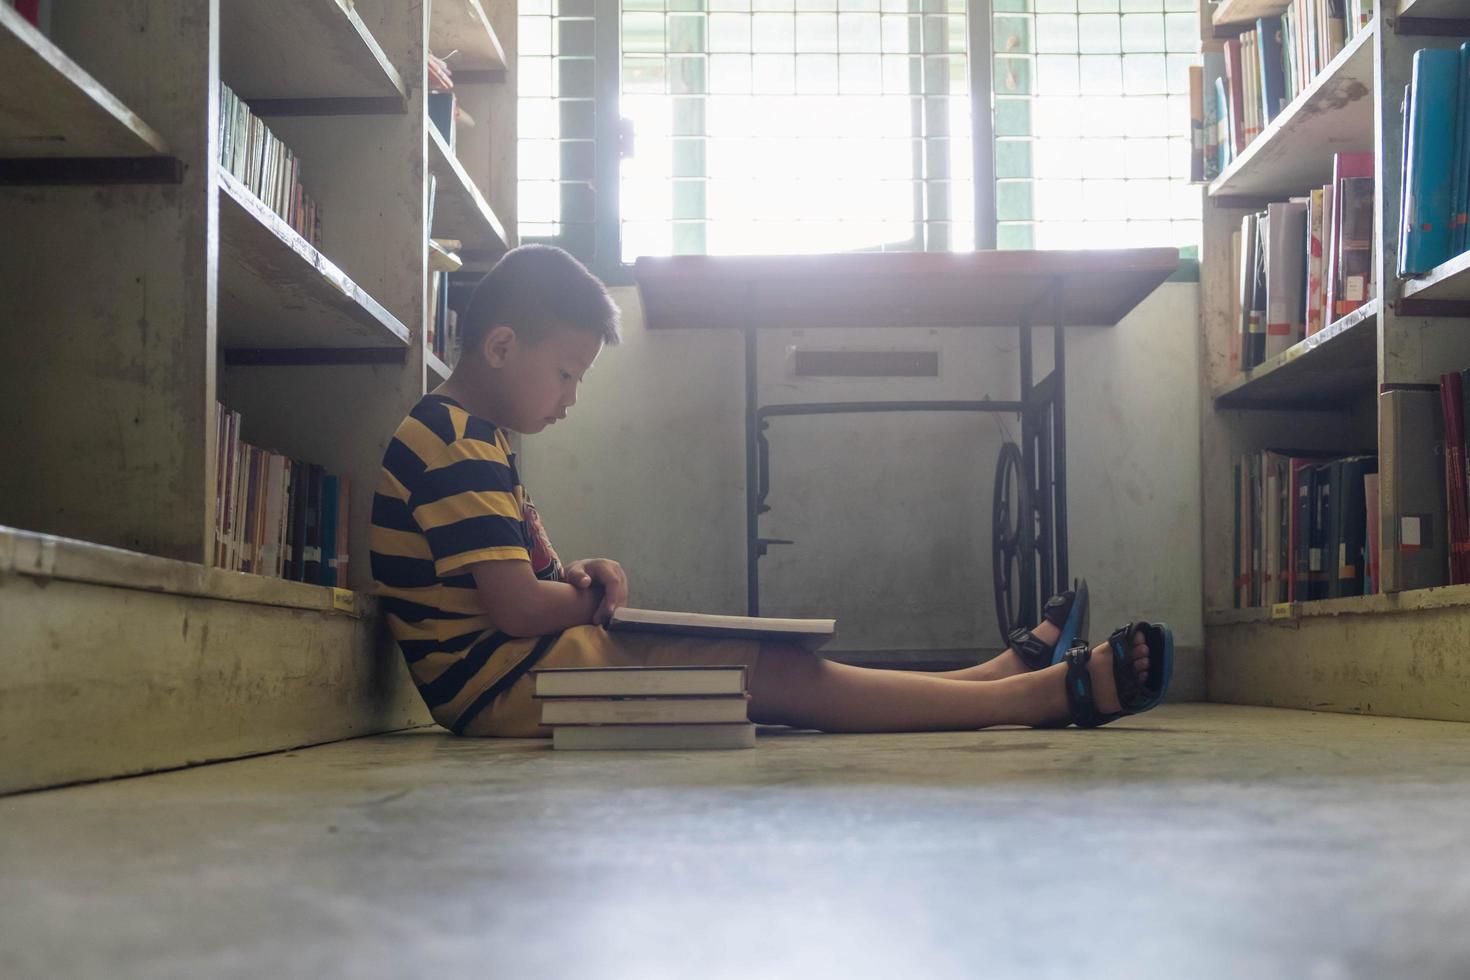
(537, 383)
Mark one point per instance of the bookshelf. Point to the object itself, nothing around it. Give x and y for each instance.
(1332, 115)
(1245, 11)
(1447, 283)
(460, 208)
(277, 291)
(1325, 369)
(1434, 9)
(64, 111)
(462, 26)
(180, 287)
(290, 52)
(1321, 395)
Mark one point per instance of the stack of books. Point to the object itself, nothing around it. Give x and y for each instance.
(1304, 263)
(1259, 72)
(685, 707)
(1435, 190)
(274, 515)
(646, 707)
(250, 151)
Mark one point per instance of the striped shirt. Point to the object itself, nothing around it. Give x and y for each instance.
(449, 497)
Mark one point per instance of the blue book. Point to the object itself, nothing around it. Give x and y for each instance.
(329, 531)
(1461, 200)
(1273, 69)
(1430, 159)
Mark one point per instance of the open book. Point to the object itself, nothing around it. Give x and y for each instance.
(809, 633)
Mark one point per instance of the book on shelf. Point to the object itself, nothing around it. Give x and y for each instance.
(1457, 506)
(441, 115)
(1264, 68)
(1301, 531)
(266, 166)
(36, 12)
(1348, 272)
(639, 737)
(1371, 499)
(808, 633)
(1286, 262)
(1415, 546)
(1273, 67)
(714, 680)
(1197, 125)
(1429, 161)
(264, 503)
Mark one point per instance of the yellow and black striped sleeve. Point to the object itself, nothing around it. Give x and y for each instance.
(468, 501)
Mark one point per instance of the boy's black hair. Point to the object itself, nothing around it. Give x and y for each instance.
(533, 289)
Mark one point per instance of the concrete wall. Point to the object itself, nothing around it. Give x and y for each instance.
(891, 513)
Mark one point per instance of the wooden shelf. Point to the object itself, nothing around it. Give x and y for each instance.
(460, 210)
(1294, 154)
(442, 259)
(1440, 597)
(67, 559)
(900, 289)
(315, 50)
(50, 107)
(1334, 363)
(1449, 282)
(461, 26)
(1434, 9)
(1246, 11)
(437, 365)
(277, 291)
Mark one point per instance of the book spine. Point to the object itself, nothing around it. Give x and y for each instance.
(1370, 506)
(1451, 402)
(344, 529)
(311, 560)
(329, 531)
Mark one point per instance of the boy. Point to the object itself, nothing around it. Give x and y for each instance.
(476, 596)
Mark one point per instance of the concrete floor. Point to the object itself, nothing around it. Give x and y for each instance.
(1200, 841)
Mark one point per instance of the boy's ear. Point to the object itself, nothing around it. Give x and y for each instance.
(498, 342)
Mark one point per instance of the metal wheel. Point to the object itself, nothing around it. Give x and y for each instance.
(1011, 507)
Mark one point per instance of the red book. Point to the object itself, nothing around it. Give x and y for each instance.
(1344, 165)
(1451, 400)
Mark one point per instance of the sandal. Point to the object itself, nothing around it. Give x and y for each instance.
(1067, 612)
(1134, 696)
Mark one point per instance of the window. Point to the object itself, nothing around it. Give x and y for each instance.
(753, 126)
(1092, 123)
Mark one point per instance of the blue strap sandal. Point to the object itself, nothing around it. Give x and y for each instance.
(1134, 695)
(1068, 613)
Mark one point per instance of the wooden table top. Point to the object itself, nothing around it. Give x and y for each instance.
(900, 289)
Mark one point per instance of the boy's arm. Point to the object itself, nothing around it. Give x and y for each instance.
(522, 605)
(607, 575)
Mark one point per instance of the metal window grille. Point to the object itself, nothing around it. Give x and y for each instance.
(1091, 118)
(832, 125)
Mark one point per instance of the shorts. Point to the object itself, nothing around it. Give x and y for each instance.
(517, 714)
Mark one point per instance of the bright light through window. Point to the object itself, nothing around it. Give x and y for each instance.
(780, 126)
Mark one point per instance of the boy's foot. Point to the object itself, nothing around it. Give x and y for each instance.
(1100, 666)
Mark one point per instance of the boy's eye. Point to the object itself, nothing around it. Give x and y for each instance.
(565, 376)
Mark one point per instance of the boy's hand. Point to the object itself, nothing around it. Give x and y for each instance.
(605, 574)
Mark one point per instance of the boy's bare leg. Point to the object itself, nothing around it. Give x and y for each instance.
(1007, 664)
(793, 687)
